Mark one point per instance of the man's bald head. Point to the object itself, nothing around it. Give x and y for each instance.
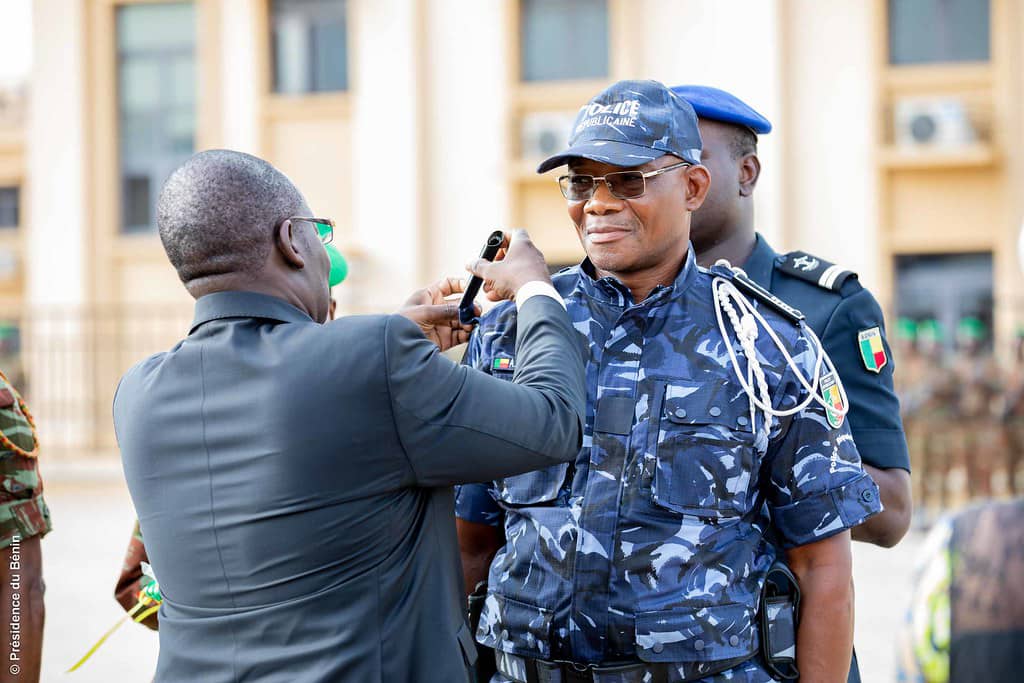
(217, 213)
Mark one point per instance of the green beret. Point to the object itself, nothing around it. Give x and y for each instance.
(929, 330)
(906, 329)
(339, 267)
(970, 328)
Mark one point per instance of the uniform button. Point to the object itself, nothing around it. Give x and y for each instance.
(734, 640)
(715, 411)
(698, 645)
(742, 420)
(504, 634)
(658, 647)
(867, 495)
(680, 413)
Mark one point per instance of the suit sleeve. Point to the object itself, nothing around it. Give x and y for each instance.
(874, 408)
(457, 425)
(474, 502)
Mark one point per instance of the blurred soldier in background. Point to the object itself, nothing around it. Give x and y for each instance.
(909, 383)
(965, 622)
(936, 414)
(1013, 417)
(24, 520)
(977, 436)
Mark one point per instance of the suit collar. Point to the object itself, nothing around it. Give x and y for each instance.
(761, 262)
(235, 304)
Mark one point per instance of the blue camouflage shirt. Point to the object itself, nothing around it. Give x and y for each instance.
(652, 545)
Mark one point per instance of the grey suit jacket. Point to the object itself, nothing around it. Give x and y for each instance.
(293, 483)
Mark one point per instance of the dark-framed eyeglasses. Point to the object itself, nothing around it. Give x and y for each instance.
(579, 187)
(324, 227)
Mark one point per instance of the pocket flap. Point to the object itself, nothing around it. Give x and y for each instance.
(516, 627)
(687, 405)
(540, 486)
(705, 634)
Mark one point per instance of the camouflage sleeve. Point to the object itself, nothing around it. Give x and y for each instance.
(818, 487)
(23, 512)
(473, 502)
(131, 580)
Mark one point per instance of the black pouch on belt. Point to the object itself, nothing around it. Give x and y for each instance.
(780, 611)
(485, 665)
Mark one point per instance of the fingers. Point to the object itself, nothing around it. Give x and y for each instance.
(480, 267)
(447, 286)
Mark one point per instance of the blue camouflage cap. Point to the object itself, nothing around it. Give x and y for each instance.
(631, 123)
(718, 105)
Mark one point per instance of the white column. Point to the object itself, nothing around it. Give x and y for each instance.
(239, 78)
(55, 153)
(733, 45)
(465, 134)
(55, 244)
(386, 118)
(831, 133)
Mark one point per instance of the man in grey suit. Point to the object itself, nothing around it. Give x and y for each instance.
(293, 478)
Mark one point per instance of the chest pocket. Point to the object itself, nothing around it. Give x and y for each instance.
(704, 450)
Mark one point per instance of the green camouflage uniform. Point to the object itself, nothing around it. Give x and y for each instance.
(23, 512)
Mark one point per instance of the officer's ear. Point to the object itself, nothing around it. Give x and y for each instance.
(698, 180)
(750, 171)
(284, 242)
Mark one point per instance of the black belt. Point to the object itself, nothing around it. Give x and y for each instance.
(541, 671)
(527, 670)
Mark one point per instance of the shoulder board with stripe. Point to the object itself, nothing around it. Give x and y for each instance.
(804, 266)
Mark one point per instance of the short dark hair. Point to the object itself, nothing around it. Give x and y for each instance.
(744, 142)
(217, 213)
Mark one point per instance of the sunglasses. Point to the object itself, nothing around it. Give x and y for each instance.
(579, 187)
(324, 227)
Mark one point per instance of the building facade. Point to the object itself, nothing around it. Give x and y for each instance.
(894, 149)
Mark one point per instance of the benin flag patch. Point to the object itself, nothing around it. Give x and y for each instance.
(830, 392)
(502, 364)
(872, 351)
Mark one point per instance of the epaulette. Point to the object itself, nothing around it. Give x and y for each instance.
(751, 288)
(802, 265)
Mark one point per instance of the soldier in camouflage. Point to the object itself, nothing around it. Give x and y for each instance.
(24, 520)
(644, 560)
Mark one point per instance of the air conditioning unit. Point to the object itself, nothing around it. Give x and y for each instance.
(542, 134)
(932, 122)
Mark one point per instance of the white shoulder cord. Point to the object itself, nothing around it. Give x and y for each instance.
(745, 323)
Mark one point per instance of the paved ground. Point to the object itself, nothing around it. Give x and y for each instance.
(94, 519)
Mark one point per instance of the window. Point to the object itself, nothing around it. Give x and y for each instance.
(309, 43)
(946, 288)
(156, 103)
(9, 209)
(928, 31)
(563, 39)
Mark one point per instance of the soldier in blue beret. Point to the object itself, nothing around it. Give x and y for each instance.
(844, 315)
(705, 456)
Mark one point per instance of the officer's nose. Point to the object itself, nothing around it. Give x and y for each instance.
(603, 201)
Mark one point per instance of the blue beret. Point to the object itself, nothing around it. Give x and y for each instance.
(718, 105)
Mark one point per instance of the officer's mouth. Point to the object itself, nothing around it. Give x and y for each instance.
(606, 234)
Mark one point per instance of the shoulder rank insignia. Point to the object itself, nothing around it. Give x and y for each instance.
(802, 265)
(872, 350)
(830, 392)
(751, 288)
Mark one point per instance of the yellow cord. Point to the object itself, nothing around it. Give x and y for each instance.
(143, 601)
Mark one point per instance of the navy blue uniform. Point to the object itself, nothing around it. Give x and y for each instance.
(839, 309)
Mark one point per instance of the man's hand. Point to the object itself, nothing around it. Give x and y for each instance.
(437, 315)
(518, 262)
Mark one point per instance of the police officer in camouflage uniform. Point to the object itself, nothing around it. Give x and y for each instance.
(644, 560)
(24, 520)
